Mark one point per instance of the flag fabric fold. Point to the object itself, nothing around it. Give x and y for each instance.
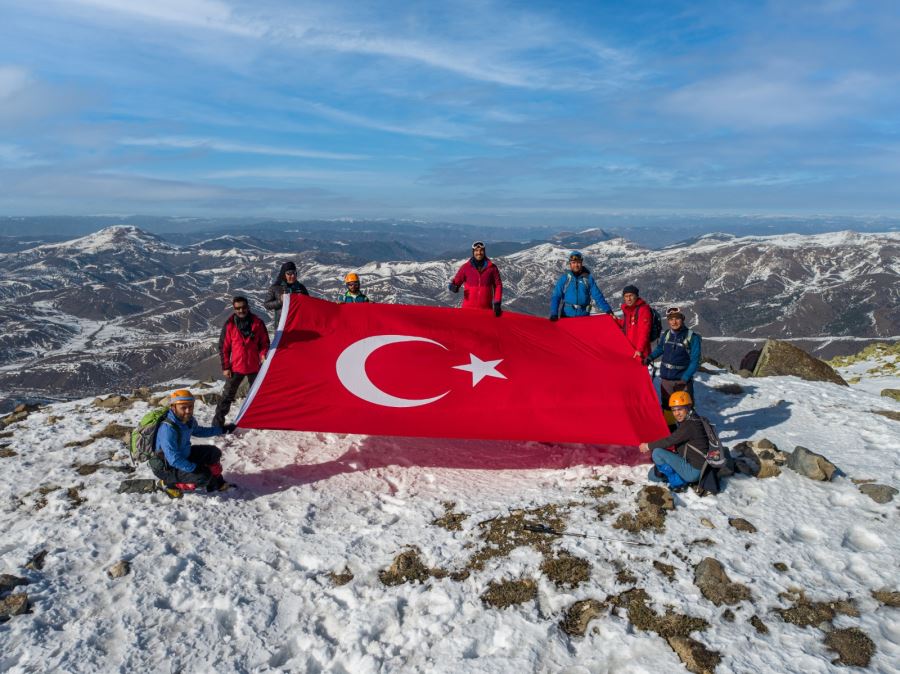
(387, 369)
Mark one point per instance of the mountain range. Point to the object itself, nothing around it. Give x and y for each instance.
(122, 307)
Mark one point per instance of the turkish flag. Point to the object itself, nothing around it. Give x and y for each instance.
(389, 369)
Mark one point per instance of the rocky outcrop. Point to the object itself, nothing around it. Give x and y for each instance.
(715, 585)
(784, 359)
(880, 493)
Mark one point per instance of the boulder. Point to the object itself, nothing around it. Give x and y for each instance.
(14, 604)
(880, 493)
(119, 569)
(715, 585)
(770, 458)
(110, 402)
(811, 465)
(891, 393)
(8, 582)
(783, 359)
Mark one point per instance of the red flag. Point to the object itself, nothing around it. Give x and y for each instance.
(389, 369)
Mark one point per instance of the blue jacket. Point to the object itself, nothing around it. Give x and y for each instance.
(678, 362)
(347, 298)
(176, 444)
(576, 296)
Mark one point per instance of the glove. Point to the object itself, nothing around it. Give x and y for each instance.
(645, 361)
(497, 309)
(229, 428)
(452, 287)
(215, 469)
(554, 318)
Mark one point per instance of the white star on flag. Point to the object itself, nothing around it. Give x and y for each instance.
(481, 368)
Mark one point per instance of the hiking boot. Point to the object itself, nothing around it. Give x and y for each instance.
(171, 492)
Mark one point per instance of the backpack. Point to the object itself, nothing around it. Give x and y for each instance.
(718, 463)
(143, 437)
(655, 324)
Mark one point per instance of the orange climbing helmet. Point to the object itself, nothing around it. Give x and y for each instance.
(352, 277)
(182, 395)
(680, 399)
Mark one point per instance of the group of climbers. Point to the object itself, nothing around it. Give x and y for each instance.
(244, 343)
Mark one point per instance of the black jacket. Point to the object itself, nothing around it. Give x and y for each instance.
(689, 440)
(275, 299)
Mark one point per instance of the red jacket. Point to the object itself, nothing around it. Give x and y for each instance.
(636, 325)
(239, 353)
(482, 288)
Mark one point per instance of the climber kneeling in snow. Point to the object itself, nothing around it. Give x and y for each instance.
(180, 465)
(684, 465)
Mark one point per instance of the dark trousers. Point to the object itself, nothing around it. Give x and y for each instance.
(668, 386)
(202, 455)
(231, 388)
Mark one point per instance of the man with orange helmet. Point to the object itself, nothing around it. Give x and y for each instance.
(178, 464)
(683, 464)
(353, 294)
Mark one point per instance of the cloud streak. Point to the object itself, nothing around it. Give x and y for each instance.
(216, 145)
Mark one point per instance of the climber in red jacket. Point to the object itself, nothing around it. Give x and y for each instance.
(481, 278)
(243, 344)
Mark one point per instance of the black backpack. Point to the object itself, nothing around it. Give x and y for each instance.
(655, 324)
(718, 463)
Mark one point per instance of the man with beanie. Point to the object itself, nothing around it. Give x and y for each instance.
(680, 349)
(243, 344)
(481, 278)
(574, 291)
(636, 322)
(179, 465)
(285, 283)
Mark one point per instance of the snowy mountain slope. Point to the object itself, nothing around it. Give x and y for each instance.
(241, 582)
(99, 300)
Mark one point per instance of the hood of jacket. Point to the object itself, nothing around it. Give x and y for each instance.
(284, 268)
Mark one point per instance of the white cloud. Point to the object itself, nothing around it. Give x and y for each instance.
(206, 14)
(194, 143)
(768, 98)
(12, 81)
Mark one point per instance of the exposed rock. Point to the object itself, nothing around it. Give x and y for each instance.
(407, 567)
(759, 625)
(707, 523)
(730, 389)
(741, 524)
(6, 453)
(781, 359)
(640, 615)
(880, 493)
(605, 508)
(665, 569)
(746, 374)
(888, 414)
(111, 402)
(75, 497)
(142, 393)
(598, 491)
(8, 582)
(887, 597)
(853, 646)
(341, 578)
(696, 657)
(14, 604)
(811, 465)
(715, 585)
(566, 570)
(143, 486)
(505, 593)
(210, 398)
(728, 615)
(806, 613)
(780, 567)
(891, 393)
(119, 569)
(36, 563)
(653, 502)
(767, 454)
(579, 614)
(625, 576)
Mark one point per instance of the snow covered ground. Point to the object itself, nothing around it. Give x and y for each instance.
(244, 581)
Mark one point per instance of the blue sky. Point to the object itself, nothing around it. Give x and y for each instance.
(467, 111)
